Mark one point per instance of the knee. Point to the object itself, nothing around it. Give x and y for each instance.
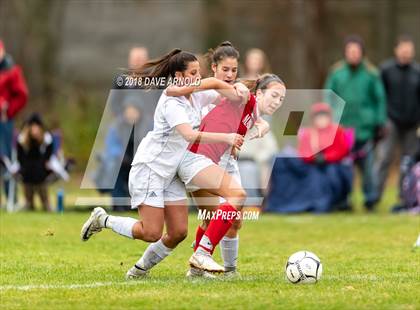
(236, 225)
(181, 236)
(149, 235)
(240, 195)
(178, 235)
(205, 224)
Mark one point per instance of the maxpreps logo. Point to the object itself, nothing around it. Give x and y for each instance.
(204, 215)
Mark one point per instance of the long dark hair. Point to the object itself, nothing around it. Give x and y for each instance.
(167, 65)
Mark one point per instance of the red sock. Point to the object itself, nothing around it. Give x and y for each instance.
(218, 227)
(198, 235)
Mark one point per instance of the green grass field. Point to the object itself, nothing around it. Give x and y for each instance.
(368, 264)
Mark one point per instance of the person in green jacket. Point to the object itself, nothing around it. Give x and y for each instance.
(358, 83)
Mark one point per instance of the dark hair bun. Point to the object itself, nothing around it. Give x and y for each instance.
(226, 43)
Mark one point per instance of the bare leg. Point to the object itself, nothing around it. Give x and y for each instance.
(229, 245)
(217, 182)
(150, 226)
(176, 220)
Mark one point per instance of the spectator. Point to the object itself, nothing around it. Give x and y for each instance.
(205, 70)
(410, 186)
(126, 104)
(256, 63)
(319, 178)
(325, 142)
(357, 81)
(34, 150)
(13, 97)
(255, 162)
(120, 144)
(401, 78)
(137, 57)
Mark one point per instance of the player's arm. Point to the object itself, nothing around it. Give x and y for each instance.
(191, 135)
(262, 128)
(235, 93)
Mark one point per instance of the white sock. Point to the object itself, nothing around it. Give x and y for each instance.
(205, 244)
(119, 224)
(229, 248)
(153, 255)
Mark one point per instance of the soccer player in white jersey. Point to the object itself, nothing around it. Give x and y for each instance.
(155, 190)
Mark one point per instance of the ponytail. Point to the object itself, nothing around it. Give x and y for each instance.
(167, 65)
(261, 83)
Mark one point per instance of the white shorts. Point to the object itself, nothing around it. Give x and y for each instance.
(230, 165)
(149, 188)
(191, 165)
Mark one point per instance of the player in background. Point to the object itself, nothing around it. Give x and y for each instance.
(155, 190)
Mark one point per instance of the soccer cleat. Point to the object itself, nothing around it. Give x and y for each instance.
(92, 225)
(231, 274)
(198, 273)
(205, 262)
(136, 273)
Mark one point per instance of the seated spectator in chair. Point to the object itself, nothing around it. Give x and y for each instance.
(325, 142)
(410, 185)
(34, 150)
(318, 178)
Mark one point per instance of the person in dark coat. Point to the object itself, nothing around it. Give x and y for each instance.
(401, 78)
(122, 140)
(358, 83)
(34, 150)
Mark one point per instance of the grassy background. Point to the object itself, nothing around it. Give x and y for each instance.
(368, 264)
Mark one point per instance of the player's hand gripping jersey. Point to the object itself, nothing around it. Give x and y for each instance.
(227, 117)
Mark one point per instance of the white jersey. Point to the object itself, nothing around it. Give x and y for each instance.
(163, 148)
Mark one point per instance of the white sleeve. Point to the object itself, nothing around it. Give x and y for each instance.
(206, 97)
(175, 113)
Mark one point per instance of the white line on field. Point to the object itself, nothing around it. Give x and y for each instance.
(348, 278)
(63, 286)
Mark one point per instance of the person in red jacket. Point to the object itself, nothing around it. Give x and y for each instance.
(13, 97)
(325, 141)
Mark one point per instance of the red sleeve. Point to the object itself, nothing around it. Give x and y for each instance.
(19, 92)
(339, 149)
(304, 145)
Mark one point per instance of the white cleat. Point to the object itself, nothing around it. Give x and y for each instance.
(136, 273)
(92, 225)
(205, 262)
(193, 273)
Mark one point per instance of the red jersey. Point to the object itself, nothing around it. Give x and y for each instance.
(226, 117)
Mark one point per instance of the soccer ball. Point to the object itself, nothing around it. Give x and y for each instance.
(303, 267)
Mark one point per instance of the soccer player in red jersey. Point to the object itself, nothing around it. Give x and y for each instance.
(198, 162)
(226, 117)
